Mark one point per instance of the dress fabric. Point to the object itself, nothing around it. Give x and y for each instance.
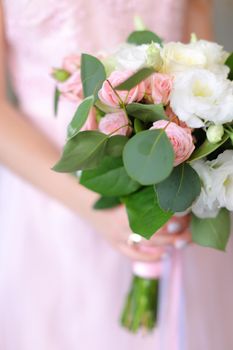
(61, 285)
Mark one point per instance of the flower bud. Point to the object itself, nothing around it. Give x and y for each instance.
(215, 133)
(153, 56)
(60, 74)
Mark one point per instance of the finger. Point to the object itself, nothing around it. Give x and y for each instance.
(170, 239)
(139, 254)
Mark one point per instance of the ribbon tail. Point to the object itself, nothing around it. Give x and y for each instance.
(171, 317)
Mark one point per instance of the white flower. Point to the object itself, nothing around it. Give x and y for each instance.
(178, 57)
(223, 179)
(132, 57)
(206, 204)
(217, 185)
(199, 95)
(215, 56)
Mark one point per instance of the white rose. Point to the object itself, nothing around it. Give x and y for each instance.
(223, 179)
(206, 204)
(132, 57)
(199, 95)
(178, 57)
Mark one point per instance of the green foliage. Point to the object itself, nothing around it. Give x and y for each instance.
(140, 37)
(115, 145)
(207, 148)
(138, 126)
(148, 157)
(144, 213)
(135, 79)
(92, 74)
(56, 101)
(179, 190)
(80, 117)
(146, 113)
(212, 232)
(106, 203)
(83, 151)
(229, 63)
(109, 179)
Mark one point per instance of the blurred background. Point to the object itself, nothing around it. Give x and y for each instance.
(223, 11)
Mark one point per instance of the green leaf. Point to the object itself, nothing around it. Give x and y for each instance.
(144, 213)
(140, 37)
(115, 145)
(106, 203)
(146, 113)
(104, 108)
(84, 151)
(148, 157)
(92, 74)
(56, 100)
(135, 79)
(207, 148)
(212, 232)
(80, 117)
(109, 179)
(60, 74)
(229, 63)
(179, 190)
(138, 126)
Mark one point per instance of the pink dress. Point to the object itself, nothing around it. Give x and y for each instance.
(61, 285)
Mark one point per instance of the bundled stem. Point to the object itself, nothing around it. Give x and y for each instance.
(141, 305)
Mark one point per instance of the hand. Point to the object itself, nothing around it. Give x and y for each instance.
(113, 225)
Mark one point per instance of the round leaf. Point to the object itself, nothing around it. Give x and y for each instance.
(144, 213)
(212, 232)
(148, 157)
(115, 145)
(106, 203)
(135, 79)
(109, 179)
(140, 37)
(146, 113)
(84, 151)
(175, 193)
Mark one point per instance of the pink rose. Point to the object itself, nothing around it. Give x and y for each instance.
(159, 87)
(91, 123)
(111, 98)
(181, 139)
(71, 63)
(115, 121)
(71, 89)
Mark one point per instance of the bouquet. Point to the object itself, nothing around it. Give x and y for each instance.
(153, 131)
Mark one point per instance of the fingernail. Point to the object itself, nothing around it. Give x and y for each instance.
(173, 227)
(180, 243)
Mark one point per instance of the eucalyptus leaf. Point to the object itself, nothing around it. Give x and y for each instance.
(109, 179)
(146, 113)
(138, 126)
(84, 151)
(229, 63)
(180, 189)
(56, 100)
(148, 157)
(212, 232)
(80, 117)
(106, 203)
(115, 145)
(206, 148)
(144, 213)
(135, 79)
(92, 74)
(140, 37)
